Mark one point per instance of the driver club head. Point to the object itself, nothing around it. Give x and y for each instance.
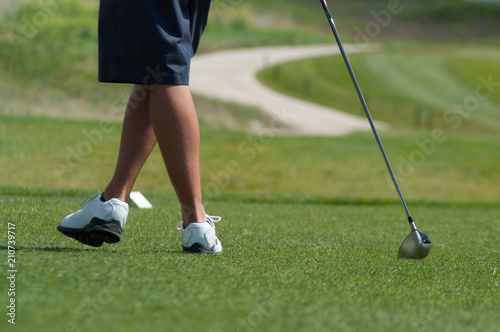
(416, 246)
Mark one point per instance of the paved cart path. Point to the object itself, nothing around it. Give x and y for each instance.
(230, 76)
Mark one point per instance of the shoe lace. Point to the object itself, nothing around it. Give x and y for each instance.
(210, 219)
(89, 199)
(213, 219)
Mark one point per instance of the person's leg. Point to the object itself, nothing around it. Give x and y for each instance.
(137, 141)
(103, 221)
(175, 123)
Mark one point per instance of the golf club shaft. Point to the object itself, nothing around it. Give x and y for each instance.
(365, 107)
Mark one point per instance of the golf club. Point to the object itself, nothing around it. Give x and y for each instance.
(416, 245)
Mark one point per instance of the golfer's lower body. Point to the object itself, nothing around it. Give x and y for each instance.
(150, 44)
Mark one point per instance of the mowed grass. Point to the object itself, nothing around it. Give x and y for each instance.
(55, 153)
(451, 86)
(311, 226)
(305, 248)
(288, 265)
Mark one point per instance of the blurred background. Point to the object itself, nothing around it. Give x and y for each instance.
(434, 78)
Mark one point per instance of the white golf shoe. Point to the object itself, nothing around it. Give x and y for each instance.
(97, 222)
(200, 237)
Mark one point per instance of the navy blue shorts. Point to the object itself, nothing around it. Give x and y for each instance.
(149, 41)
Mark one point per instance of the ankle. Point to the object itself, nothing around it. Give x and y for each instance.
(109, 194)
(190, 215)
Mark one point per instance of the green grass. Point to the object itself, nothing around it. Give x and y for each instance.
(288, 264)
(264, 22)
(311, 225)
(52, 67)
(56, 153)
(457, 10)
(399, 80)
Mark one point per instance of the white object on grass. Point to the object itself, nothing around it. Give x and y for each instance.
(140, 200)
